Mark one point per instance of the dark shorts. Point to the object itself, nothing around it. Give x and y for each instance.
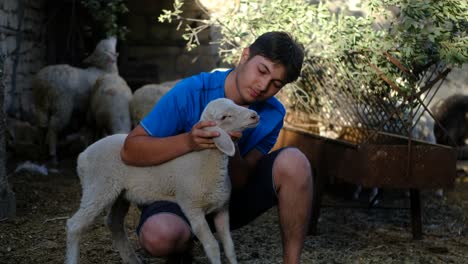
(245, 204)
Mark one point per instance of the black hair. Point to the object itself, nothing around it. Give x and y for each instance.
(280, 47)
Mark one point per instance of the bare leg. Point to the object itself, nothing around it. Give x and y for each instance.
(221, 221)
(165, 234)
(293, 179)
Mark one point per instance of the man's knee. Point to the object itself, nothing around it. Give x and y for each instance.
(292, 167)
(164, 234)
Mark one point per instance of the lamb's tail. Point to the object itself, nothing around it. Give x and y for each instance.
(81, 164)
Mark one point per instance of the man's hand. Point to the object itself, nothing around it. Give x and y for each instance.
(199, 138)
(235, 135)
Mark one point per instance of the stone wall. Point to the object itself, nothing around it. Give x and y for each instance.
(25, 51)
(155, 52)
(54, 32)
(22, 47)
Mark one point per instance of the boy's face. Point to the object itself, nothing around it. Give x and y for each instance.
(258, 78)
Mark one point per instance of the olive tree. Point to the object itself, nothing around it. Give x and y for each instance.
(106, 15)
(417, 35)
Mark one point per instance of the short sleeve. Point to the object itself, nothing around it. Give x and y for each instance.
(264, 136)
(265, 145)
(168, 116)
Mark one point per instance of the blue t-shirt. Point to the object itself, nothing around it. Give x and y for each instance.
(180, 109)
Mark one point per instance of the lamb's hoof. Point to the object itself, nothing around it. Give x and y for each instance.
(185, 258)
(133, 261)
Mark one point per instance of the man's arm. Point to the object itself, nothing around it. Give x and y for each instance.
(142, 149)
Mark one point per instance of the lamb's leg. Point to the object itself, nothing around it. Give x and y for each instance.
(56, 122)
(221, 221)
(51, 139)
(91, 206)
(115, 222)
(201, 229)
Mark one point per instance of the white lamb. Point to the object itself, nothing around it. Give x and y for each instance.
(62, 90)
(109, 112)
(198, 182)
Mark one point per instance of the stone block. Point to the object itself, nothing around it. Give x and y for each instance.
(168, 63)
(207, 62)
(29, 25)
(204, 36)
(35, 4)
(163, 34)
(138, 28)
(24, 140)
(140, 69)
(148, 7)
(33, 14)
(207, 50)
(28, 151)
(8, 205)
(184, 62)
(190, 63)
(10, 5)
(26, 47)
(139, 52)
(3, 18)
(22, 132)
(10, 44)
(12, 20)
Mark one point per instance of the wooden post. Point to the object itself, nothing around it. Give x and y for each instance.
(416, 222)
(318, 185)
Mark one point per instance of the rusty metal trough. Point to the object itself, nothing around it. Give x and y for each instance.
(368, 126)
(386, 160)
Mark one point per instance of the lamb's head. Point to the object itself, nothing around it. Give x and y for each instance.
(229, 117)
(104, 55)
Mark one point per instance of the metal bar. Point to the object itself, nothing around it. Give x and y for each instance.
(416, 222)
(318, 186)
(399, 65)
(434, 81)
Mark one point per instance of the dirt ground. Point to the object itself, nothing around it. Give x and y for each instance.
(347, 234)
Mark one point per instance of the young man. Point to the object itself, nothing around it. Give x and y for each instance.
(260, 179)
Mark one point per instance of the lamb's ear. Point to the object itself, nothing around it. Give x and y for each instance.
(223, 142)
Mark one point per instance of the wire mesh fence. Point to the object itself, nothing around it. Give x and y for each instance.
(352, 98)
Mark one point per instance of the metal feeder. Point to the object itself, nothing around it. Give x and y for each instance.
(363, 135)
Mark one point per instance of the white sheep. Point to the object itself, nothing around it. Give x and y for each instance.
(61, 91)
(109, 106)
(145, 98)
(198, 182)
